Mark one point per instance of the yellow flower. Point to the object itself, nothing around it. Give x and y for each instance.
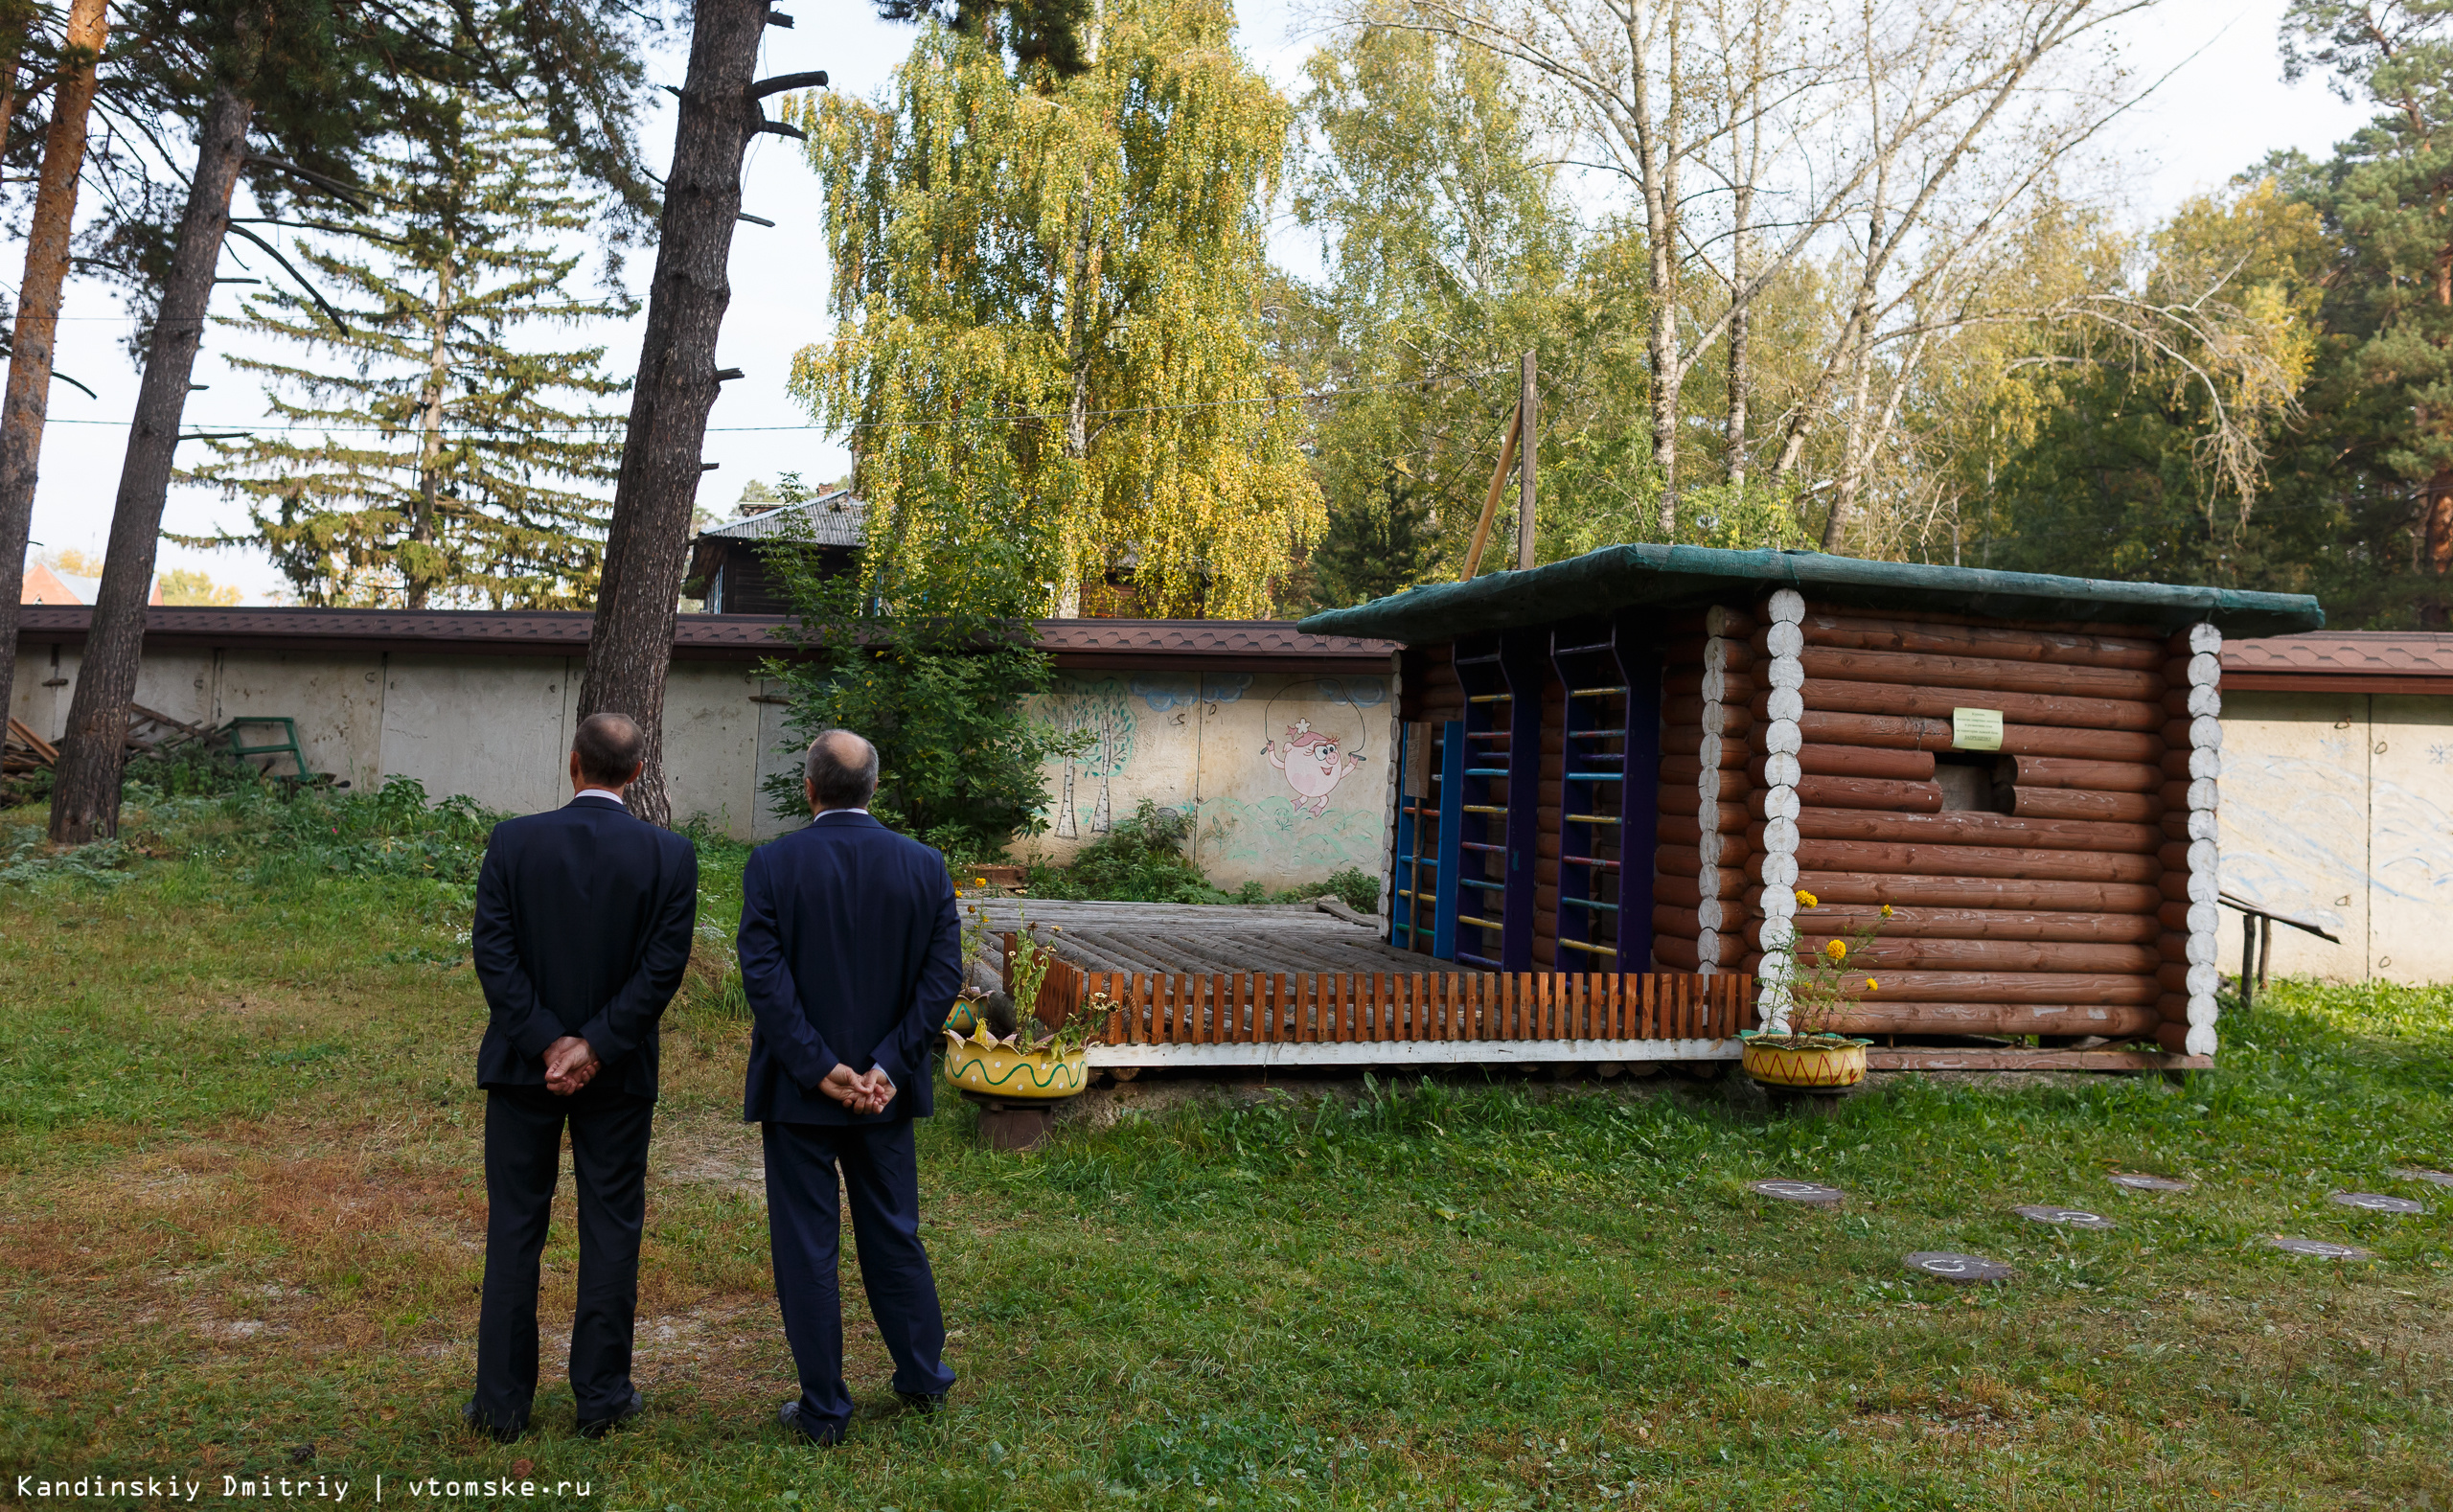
(1872, 985)
(1808, 900)
(1885, 910)
(1837, 950)
(979, 882)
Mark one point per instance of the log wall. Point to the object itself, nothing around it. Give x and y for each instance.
(2063, 886)
(1708, 679)
(2076, 899)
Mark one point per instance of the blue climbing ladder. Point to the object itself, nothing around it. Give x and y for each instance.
(1610, 776)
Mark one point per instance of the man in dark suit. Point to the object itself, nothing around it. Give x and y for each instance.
(582, 929)
(851, 954)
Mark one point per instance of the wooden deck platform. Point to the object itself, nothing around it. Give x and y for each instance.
(1174, 937)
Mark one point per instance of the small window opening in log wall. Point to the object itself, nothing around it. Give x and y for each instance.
(1970, 784)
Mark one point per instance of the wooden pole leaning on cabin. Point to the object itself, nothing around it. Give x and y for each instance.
(1490, 501)
(1528, 429)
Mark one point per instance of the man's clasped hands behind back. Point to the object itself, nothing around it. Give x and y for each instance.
(850, 955)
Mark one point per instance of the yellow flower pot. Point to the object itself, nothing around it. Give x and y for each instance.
(1821, 1061)
(982, 1063)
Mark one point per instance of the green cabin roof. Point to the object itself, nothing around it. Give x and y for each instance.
(1673, 577)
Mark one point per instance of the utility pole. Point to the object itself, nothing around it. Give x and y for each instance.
(1527, 433)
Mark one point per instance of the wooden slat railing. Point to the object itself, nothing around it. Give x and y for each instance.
(1360, 1007)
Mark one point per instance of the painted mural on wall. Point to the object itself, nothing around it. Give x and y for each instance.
(1279, 772)
(1104, 710)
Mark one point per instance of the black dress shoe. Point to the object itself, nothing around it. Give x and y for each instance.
(927, 1404)
(825, 1438)
(492, 1429)
(599, 1427)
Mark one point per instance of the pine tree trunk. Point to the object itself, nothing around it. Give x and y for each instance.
(646, 550)
(2436, 545)
(419, 583)
(28, 389)
(84, 797)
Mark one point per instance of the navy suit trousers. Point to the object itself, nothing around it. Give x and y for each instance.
(880, 1171)
(523, 1158)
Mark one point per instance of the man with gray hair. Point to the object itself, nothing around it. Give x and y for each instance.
(851, 954)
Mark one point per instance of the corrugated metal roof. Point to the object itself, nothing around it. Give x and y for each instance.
(1647, 576)
(1218, 644)
(829, 520)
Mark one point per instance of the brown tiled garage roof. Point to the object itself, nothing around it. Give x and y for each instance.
(1205, 643)
(1219, 645)
(2341, 661)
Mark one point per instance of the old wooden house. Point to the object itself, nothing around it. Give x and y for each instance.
(1646, 759)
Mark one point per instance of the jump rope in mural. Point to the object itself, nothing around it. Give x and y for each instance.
(1314, 760)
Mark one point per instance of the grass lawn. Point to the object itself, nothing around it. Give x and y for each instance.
(241, 1218)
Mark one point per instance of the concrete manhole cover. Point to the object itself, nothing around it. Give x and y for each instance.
(2375, 1202)
(2440, 1178)
(2322, 1249)
(2072, 1217)
(2147, 1181)
(1967, 1270)
(1800, 1192)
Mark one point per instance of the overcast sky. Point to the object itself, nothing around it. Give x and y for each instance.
(2224, 106)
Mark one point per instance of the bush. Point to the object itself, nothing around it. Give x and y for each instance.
(191, 770)
(1142, 861)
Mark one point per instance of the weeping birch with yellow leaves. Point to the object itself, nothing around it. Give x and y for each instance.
(1046, 306)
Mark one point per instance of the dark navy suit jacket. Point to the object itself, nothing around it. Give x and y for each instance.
(851, 952)
(583, 927)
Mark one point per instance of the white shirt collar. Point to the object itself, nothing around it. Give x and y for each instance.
(600, 793)
(862, 812)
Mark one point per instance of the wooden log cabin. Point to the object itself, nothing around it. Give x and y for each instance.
(1637, 760)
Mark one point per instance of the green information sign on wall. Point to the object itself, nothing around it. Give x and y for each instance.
(1976, 729)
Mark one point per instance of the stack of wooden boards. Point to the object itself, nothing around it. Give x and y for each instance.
(25, 751)
(147, 730)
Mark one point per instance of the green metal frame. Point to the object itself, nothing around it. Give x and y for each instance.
(288, 748)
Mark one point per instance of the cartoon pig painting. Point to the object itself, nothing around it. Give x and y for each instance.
(1312, 764)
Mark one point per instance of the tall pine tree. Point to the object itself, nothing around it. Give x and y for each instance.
(456, 463)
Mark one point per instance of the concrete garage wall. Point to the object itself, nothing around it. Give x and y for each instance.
(1211, 745)
(2338, 807)
(496, 728)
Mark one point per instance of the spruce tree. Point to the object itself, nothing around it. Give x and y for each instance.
(1383, 542)
(456, 465)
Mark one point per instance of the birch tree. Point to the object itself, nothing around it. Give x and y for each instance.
(1047, 308)
(1886, 141)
